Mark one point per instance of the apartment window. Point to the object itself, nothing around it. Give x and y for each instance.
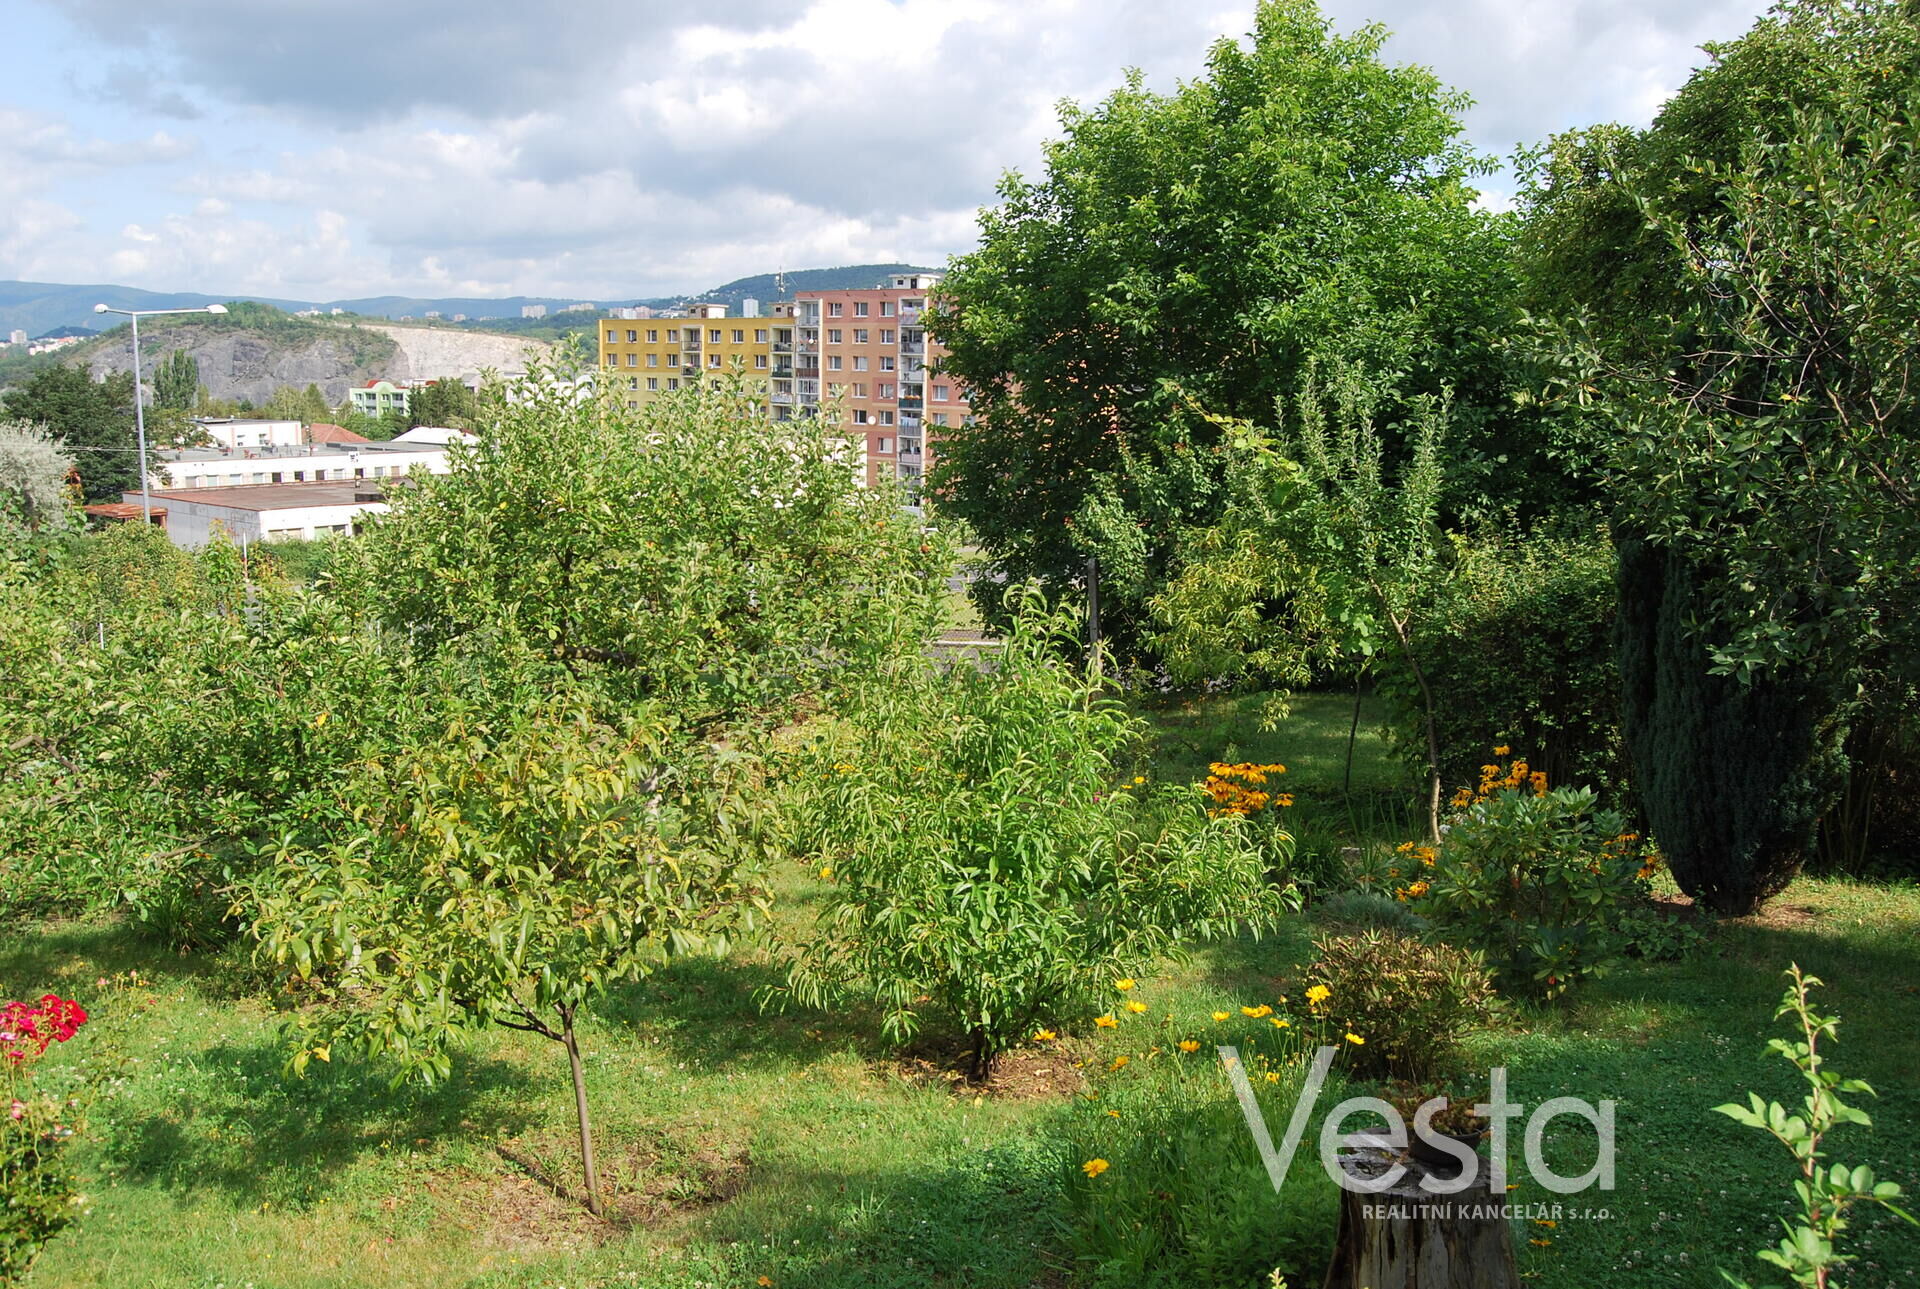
(633, 336)
(886, 363)
(939, 393)
(886, 335)
(714, 335)
(886, 308)
(632, 403)
(833, 335)
(673, 335)
(833, 309)
(835, 389)
(653, 383)
(911, 304)
(613, 337)
(613, 360)
(883, 444)
(859, 335)
(633, 382)
(760, 361)
(653, 360)
(759, 335)
(859, 416)
(739, 336)
(673, 382)
(833, 362)
(860, 309)
(886, 418)
(713, 360)
(859, 362)
(633, 360)
(939, 418)
(653, 335)
(860, 389)
(276, 476)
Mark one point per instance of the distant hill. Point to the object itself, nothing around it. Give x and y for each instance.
(42, 307)
(762, 286)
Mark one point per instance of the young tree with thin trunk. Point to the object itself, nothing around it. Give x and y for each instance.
(505, 877)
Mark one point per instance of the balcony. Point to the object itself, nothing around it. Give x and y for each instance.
(809, 389)
(809, 347)
(909, 423)
(782, 370)
(781, 399)
(910, 316)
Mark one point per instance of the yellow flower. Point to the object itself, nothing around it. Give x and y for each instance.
(1272, 1077)
(1045, 1036)
(1105, 1022)
(826, 872)
(1135, 1006)
(1189, 1045)
(1356, 1040)
(1094, 1167)
(1139, 779)
(1119, 1062)
(1279, 1022)
(1257, 1012)
(1218, 1016)
(1502, 750)
(764, 1282)
(1123, 985)
(1319, 994)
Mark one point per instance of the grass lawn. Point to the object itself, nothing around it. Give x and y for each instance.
(798, 1148)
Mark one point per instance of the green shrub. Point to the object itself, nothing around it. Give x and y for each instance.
(990, 861)
(38, 1191)
(1394, 1005)
(1519, 644)
(1539, 880)
(1184, 1198)
(1369, 910)
(1733, 773)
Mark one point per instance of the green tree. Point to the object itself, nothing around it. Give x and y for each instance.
(92, 419)
(304, 405)
(503, 877)
(176, 381)
(988, 859)
(1194, 251)
(1740, 313)
(688, 551)
(444, 402)
(33, 479)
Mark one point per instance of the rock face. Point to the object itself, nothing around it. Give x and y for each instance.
(438, 354)
(246, 364)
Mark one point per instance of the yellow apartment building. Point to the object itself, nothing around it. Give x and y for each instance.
(646, 357)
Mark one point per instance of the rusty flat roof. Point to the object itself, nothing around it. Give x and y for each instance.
(277, 496)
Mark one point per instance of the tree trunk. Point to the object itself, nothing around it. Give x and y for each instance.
(1433, 733)
(980, 1060)
(580, 1109)
(1408, 1238)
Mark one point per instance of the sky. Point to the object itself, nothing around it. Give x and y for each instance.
(329, 149)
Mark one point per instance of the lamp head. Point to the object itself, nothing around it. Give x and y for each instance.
(99, 308)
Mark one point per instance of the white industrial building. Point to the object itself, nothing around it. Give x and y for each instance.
(263, 512)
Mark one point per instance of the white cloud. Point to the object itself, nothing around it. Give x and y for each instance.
(359, 147)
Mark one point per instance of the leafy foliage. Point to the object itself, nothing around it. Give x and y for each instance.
(989, 861)
(687, 551)
(92, 419)
(1826, 1192)
(1518, 640)
(33, 482)
(1734, 814)
(1194, 251)
(1410, 1002)
(1538, 879)
(1185, 1198)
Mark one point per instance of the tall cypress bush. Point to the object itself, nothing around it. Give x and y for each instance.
(1733, 774)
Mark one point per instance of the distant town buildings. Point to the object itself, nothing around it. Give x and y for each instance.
(860, 356)
(16, 337)
(533, 310)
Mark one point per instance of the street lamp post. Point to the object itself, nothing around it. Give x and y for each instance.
(139, 415)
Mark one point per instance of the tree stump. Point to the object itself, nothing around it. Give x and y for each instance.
(1409, 1238)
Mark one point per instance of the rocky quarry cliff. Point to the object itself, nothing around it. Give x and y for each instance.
(252, 363)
